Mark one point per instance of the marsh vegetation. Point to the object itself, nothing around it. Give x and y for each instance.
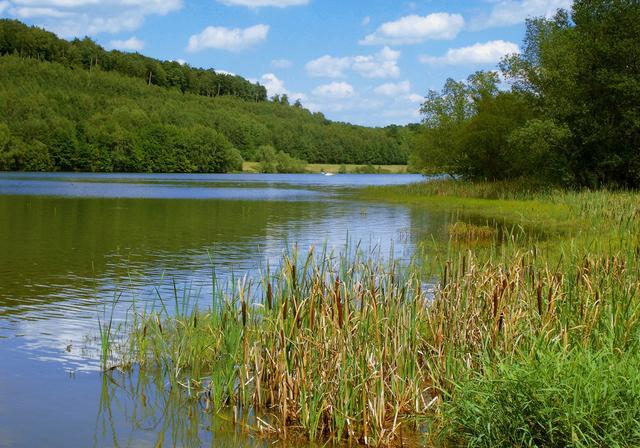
(489, 344)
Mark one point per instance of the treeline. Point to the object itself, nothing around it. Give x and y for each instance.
(571, 115)
(16, 38)
(54, 117)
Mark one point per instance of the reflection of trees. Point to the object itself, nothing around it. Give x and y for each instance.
(51, 246)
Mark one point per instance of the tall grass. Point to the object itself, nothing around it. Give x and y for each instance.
(500, 350)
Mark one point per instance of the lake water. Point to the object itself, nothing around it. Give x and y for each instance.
(70, 243)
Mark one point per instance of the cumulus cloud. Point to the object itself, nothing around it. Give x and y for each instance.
(232, 39)
(76, 18)
(383, 64)
(131, 44)
(281, 63)
(337, 90)
(414, 98)
(393, 89)
(264, 3)
(275, 86)
(481, 53)
(328, 67)
(415, 29)
(512, 12)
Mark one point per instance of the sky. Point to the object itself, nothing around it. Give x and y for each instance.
(364, 62)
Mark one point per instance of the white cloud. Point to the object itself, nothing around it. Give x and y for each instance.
(276, 86)
(414, 98)
(366, 21)
(281, 63)
(415, 29)
(336, 90)
(131, 44)
(328, 67)
(512, 12)
(383, 64)
(481, 53)
(340, 101)
(224, 72)
(233, 39)
(24, 12)
(76, 18)
(263, 3)
(393, 89)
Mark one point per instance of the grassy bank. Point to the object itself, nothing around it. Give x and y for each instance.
(254, 167)
(517, 342)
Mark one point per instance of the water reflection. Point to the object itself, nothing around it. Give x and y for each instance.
(162, 416)
(70, 244)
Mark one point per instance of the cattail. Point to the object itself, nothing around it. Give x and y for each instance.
(294, 278)
(539, 297)
(244, 313)
(338, 301)
(269, 296)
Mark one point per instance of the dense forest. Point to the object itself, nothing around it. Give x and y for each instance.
(570, 116)
(74, 106)
(17, 38)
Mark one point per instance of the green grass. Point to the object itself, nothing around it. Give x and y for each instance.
(580, 398)
(501, 350)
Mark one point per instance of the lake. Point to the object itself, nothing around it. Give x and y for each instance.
(72, 244)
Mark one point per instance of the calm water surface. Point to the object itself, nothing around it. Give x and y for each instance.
(70, 243)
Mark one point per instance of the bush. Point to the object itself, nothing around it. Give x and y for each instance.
(579, 399)
(272, 161)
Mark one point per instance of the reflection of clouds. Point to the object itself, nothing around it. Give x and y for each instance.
(49, 328)
(344, 222)
(56, 306)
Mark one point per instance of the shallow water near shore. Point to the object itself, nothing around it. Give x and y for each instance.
(72, 244)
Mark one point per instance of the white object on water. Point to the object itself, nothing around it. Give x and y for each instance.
(328, 174)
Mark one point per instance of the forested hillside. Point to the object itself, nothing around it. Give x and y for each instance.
(31, 42)
(74, 114)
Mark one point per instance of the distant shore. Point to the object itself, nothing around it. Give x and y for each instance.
(254, 167)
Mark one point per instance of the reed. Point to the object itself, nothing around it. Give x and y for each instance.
(357, 349)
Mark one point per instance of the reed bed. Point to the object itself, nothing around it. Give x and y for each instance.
(355, 349)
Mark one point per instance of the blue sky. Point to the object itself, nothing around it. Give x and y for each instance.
(365, 62)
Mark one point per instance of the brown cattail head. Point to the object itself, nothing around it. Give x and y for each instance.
(269, 296)
(336, 293)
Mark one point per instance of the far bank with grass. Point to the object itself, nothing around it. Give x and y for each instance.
(317, 168)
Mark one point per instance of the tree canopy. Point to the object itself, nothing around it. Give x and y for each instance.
(571, 115)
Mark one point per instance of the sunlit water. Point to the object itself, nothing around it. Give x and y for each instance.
(71, 243)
